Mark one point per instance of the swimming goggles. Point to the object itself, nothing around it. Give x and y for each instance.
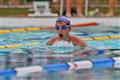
(62, 27)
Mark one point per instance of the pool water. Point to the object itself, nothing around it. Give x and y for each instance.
(19, 56)
(42, 36)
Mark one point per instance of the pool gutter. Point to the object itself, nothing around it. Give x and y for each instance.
(36, 22)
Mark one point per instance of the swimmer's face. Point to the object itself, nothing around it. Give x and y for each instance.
(61, 28)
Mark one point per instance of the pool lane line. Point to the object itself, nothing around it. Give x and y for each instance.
(3, 47)
(18, 45)
(20, 30)
(104, 63)
(102, 37)
(33, 29)
(4, 31)
(108, 37)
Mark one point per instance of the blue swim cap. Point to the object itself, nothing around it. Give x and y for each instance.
(65, 19)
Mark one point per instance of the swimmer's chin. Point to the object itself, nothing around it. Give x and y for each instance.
(60, 35)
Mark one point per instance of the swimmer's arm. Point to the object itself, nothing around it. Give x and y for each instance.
(79, 42)
(84, 45)
(51, 41)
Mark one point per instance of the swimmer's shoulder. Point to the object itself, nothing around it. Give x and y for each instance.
(78, 41)
(52, 40)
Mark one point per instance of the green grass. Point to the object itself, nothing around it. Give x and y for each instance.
(105, 10)
(13, 11)
(7, 1)
(117, 11)
(22, 11)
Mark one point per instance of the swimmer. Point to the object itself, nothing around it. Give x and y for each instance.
(64, 38)
(63, 29)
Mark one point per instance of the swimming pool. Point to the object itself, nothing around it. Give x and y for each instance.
(34, 42)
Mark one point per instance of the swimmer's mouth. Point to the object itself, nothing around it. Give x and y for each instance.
(61, 35)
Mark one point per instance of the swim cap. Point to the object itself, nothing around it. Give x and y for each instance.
(65, 19)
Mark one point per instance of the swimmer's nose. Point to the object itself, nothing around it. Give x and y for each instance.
(61, 31)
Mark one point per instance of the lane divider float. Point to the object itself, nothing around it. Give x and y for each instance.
(18, 45)
(4, 31)
(87, 64)
(102, 37)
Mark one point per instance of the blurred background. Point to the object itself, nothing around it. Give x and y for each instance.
(25, 27)
(25, 8)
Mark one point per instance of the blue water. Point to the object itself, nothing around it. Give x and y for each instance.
(20, 54)
(42, 36)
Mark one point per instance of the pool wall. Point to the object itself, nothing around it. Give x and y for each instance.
(25, 22)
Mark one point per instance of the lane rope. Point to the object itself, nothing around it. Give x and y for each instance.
(87, 64)
(4, 31)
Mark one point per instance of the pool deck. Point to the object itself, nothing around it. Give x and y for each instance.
(49, 21)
